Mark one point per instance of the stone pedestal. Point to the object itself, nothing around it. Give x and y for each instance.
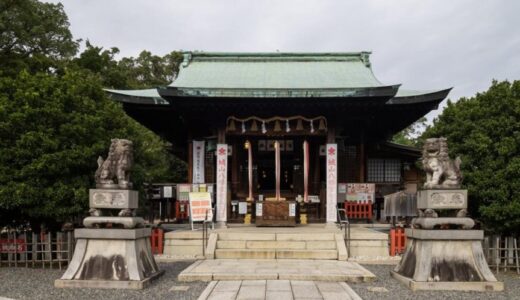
(111, 258)
(445, 260)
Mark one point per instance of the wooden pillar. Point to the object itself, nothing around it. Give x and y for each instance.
(362, 162)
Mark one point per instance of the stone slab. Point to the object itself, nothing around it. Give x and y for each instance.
(112, 234)
(275, 245)
(113, 198)
(448, 234)
(231, 244)
(182, 250)
(442, 199)
(285, 269)
(480, 286)
(320, 245)
(306, 254)
(305, 236)
(107, 284)
(431, 223)
(245, 253)
(242, 236)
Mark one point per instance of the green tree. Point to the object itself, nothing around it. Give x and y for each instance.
(485, 131)
(52, 129)
(410, 135)
(34, 36)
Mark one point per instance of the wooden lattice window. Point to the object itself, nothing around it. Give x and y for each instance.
(384, 170)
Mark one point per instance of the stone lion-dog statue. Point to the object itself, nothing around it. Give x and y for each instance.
(117, 165)
(441, 171)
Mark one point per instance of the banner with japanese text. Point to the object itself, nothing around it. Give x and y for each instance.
(222, 155)
(198, 162)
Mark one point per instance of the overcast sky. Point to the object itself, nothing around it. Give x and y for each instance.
(422, 44)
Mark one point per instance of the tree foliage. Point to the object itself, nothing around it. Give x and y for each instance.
(145, 71)
(485, 131)
(410, 135)
(34, 36)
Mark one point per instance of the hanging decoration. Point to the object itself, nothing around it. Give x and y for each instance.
(254, 126)
(276, 124)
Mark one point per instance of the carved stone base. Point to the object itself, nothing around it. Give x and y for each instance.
(442, 199)
(445, 260)
(430, 223)
(111, 258)
(127, 222)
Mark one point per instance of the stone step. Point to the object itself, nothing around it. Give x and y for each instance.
(306, 254)
(275, 254)
(245, 254)
(245, 236)
(302, 245)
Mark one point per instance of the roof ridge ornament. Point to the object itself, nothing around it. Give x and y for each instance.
(186, 59)
(365, 58)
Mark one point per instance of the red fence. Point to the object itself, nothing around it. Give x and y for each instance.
(157, 240)
(359, 210)
(397, 241)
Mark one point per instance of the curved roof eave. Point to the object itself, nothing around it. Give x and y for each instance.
(414, 97)
(146, 96)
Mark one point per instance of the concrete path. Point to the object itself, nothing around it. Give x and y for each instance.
(273, 269)
(277, 290)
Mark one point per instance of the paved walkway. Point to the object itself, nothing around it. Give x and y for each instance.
(272, 269)
(277, 290)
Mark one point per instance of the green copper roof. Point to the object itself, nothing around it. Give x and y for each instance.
(275, 71)
(276, 75)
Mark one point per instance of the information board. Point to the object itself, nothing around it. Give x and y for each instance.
(200, 203)
(361, 192)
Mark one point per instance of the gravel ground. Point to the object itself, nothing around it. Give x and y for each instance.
(27, 283)
(22, 283)
(396, 290)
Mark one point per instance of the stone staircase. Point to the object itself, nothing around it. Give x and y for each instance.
(276, 245)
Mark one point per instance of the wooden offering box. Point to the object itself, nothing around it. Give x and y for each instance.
(276, 213)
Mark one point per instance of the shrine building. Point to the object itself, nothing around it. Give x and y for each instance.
(283, 132)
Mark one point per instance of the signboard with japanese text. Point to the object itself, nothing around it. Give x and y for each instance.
(222, 154)
(198, 162)
(331, 165)
(12, 246)
(200, 205)
(361, 192)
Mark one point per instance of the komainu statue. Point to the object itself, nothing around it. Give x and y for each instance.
(441, 171)
(117, 165)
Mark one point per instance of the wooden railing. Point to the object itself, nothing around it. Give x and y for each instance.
(28, 249)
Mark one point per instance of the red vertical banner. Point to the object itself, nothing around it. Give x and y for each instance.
(222, 153)
(331, 165)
